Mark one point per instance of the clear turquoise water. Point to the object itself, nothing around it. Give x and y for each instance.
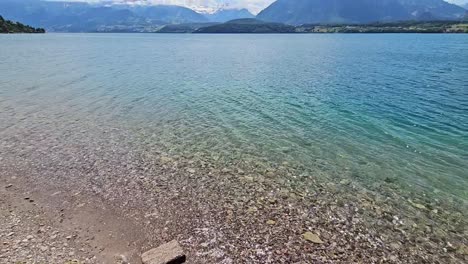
(363, 107)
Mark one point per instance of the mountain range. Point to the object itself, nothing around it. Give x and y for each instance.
(84, 17)
(224, 15)
(297, 12)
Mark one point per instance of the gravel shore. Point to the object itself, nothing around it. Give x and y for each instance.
(46, 226)
(122, 199)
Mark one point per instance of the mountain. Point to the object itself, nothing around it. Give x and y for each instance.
(108, 17)
(224, 15)
(68, 16)
(84, 17)
(7, 26)
(247, 25)
(169, 13)
(358, 11)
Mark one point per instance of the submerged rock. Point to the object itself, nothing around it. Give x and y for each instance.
(463, 250)
(419, 206)
(345, 182)
(165, 160)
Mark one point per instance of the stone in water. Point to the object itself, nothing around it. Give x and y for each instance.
(169, 253)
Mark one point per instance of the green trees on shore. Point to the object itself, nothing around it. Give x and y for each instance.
(7, 26)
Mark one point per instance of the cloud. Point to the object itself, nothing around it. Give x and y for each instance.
(254, 6)
(458, 1)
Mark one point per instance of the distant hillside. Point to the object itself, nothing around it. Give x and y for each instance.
(224, 15)
(7, 26)
(169, 14)
(184, 28)
(298, 12)
(84, 17)
(248, 25)
(392, 27)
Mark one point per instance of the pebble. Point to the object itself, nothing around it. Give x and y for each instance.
(123, 259)
(252, 209)
(417, 205)
(395, 246)
(248, 179)
(44, 248)
(345, 182)
(463, 250)
(165, 160)
(311, 237)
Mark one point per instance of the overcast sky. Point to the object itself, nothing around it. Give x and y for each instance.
(253, 5)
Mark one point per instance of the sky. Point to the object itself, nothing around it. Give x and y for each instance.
(254, 6)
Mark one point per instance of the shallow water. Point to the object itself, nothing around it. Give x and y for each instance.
(366, 108)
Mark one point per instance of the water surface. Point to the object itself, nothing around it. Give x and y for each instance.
(367, 108)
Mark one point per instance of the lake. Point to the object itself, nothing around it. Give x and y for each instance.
(241, 146)
(365, 108)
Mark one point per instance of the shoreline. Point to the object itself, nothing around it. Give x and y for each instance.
(235, 210)
(228, 216)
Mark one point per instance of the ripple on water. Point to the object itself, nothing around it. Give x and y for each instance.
(370, 112)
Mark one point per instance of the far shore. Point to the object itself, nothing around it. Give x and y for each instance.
(254, 26)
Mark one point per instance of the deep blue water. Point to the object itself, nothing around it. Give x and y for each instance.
(363, 107)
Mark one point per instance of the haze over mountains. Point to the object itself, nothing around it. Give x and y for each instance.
(110, 17)
(358, 11)
(224, 15)
(84, 17)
